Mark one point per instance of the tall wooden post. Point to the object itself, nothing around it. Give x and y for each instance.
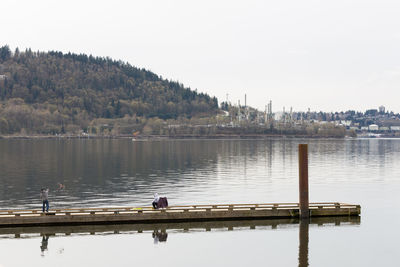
(303, 180)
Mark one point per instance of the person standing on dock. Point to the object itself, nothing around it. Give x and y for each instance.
(44, 195)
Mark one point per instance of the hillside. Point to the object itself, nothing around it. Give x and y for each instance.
(52, 92)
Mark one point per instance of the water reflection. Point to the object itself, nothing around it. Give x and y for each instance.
(161, 232)
(124, 173)
(184, 227)
(159, 236)
(303, 242)
(44, 244)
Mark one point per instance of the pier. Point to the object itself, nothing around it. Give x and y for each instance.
(189, 213)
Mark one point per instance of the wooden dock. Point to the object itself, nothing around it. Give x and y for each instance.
(189, 213)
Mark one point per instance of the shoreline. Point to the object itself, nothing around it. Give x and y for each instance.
(177, 137)
(186, 137)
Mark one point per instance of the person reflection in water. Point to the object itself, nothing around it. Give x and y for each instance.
(160, 236)
(45, 242)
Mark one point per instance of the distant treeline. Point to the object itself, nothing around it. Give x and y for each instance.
(52, 92)
(210, 127)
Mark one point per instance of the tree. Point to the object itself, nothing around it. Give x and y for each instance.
(4, 126)
(5, 53)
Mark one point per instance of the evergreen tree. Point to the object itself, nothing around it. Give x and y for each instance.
(5, 53)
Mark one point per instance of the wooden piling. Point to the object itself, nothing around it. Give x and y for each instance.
(303, 181)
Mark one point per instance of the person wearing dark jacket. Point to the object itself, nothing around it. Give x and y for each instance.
(159, 202)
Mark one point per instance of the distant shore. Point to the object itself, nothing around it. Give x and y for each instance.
(162, 137)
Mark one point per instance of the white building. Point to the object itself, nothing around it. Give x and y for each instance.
(395, 128)
(278, 115)
(345, 123)
(373, 127)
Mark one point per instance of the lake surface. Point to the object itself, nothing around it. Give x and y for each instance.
(126, 173)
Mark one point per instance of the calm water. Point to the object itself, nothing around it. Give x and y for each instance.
(126, 173)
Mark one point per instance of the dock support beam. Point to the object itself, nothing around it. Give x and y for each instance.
(303, 181)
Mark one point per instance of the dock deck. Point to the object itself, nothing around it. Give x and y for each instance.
(189, 213)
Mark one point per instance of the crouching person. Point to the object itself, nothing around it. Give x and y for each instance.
(159, 202)
(155, 201)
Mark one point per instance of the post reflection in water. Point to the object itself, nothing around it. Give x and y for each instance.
(303, 242)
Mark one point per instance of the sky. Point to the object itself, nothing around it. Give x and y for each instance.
(324, 55)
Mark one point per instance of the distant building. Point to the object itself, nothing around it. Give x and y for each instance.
(395, 128)
(383, 128)
(345, 123)
(382, 110)
(390, 122)
(373, 127)
(278, 115)
(364, 128)
(371, 112)
(3, 77)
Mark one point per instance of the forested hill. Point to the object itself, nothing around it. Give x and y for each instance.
(74, 89)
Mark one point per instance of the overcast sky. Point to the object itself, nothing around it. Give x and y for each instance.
(324, 55)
